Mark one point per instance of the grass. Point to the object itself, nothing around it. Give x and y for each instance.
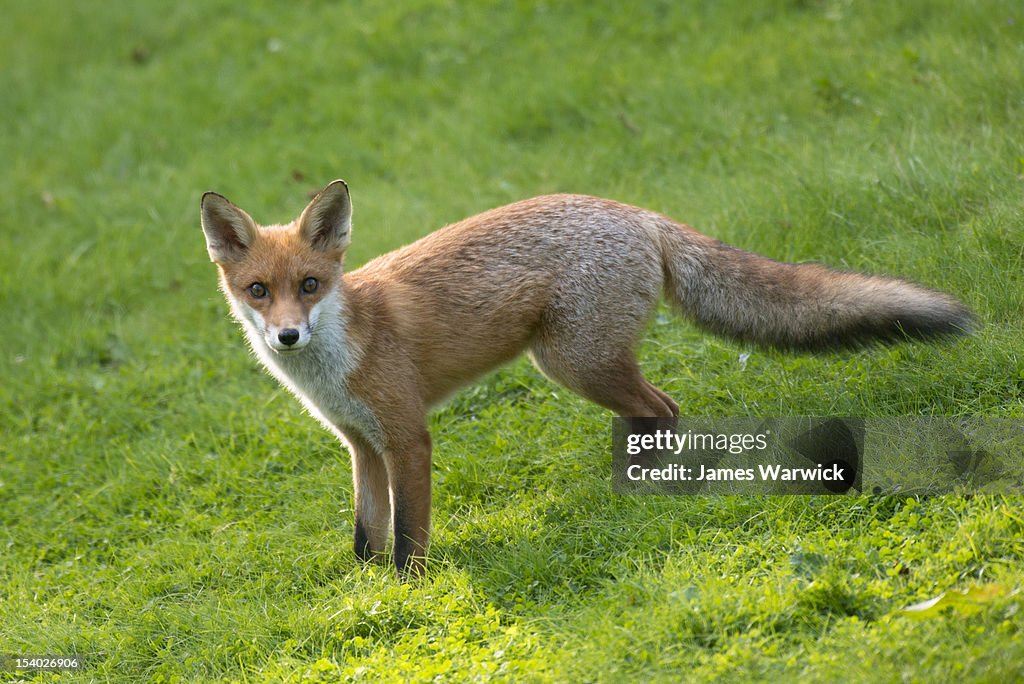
(170, 512)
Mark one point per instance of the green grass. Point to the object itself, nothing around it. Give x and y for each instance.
(168, 510)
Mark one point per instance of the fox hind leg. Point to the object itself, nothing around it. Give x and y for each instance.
(588, 331)
(614, 382)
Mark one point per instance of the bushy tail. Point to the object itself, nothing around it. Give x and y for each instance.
(755, 299)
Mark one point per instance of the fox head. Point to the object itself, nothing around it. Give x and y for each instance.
(278, 279)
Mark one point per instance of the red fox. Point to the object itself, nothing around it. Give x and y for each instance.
(570, 279)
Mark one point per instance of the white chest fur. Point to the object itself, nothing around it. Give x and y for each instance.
(318, 374)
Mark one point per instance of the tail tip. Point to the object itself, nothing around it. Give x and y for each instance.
(947, 318)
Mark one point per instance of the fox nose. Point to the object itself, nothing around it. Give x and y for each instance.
(288, 336)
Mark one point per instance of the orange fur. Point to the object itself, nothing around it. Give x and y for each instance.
(570, 279)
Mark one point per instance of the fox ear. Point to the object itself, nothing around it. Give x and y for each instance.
(229, 230)
(327, 222)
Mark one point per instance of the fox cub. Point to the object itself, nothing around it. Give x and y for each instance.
(570, 279)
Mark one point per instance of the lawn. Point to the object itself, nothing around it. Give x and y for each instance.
(170, 513)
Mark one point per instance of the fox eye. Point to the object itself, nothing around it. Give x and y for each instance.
(258, 290)
(309, 285)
